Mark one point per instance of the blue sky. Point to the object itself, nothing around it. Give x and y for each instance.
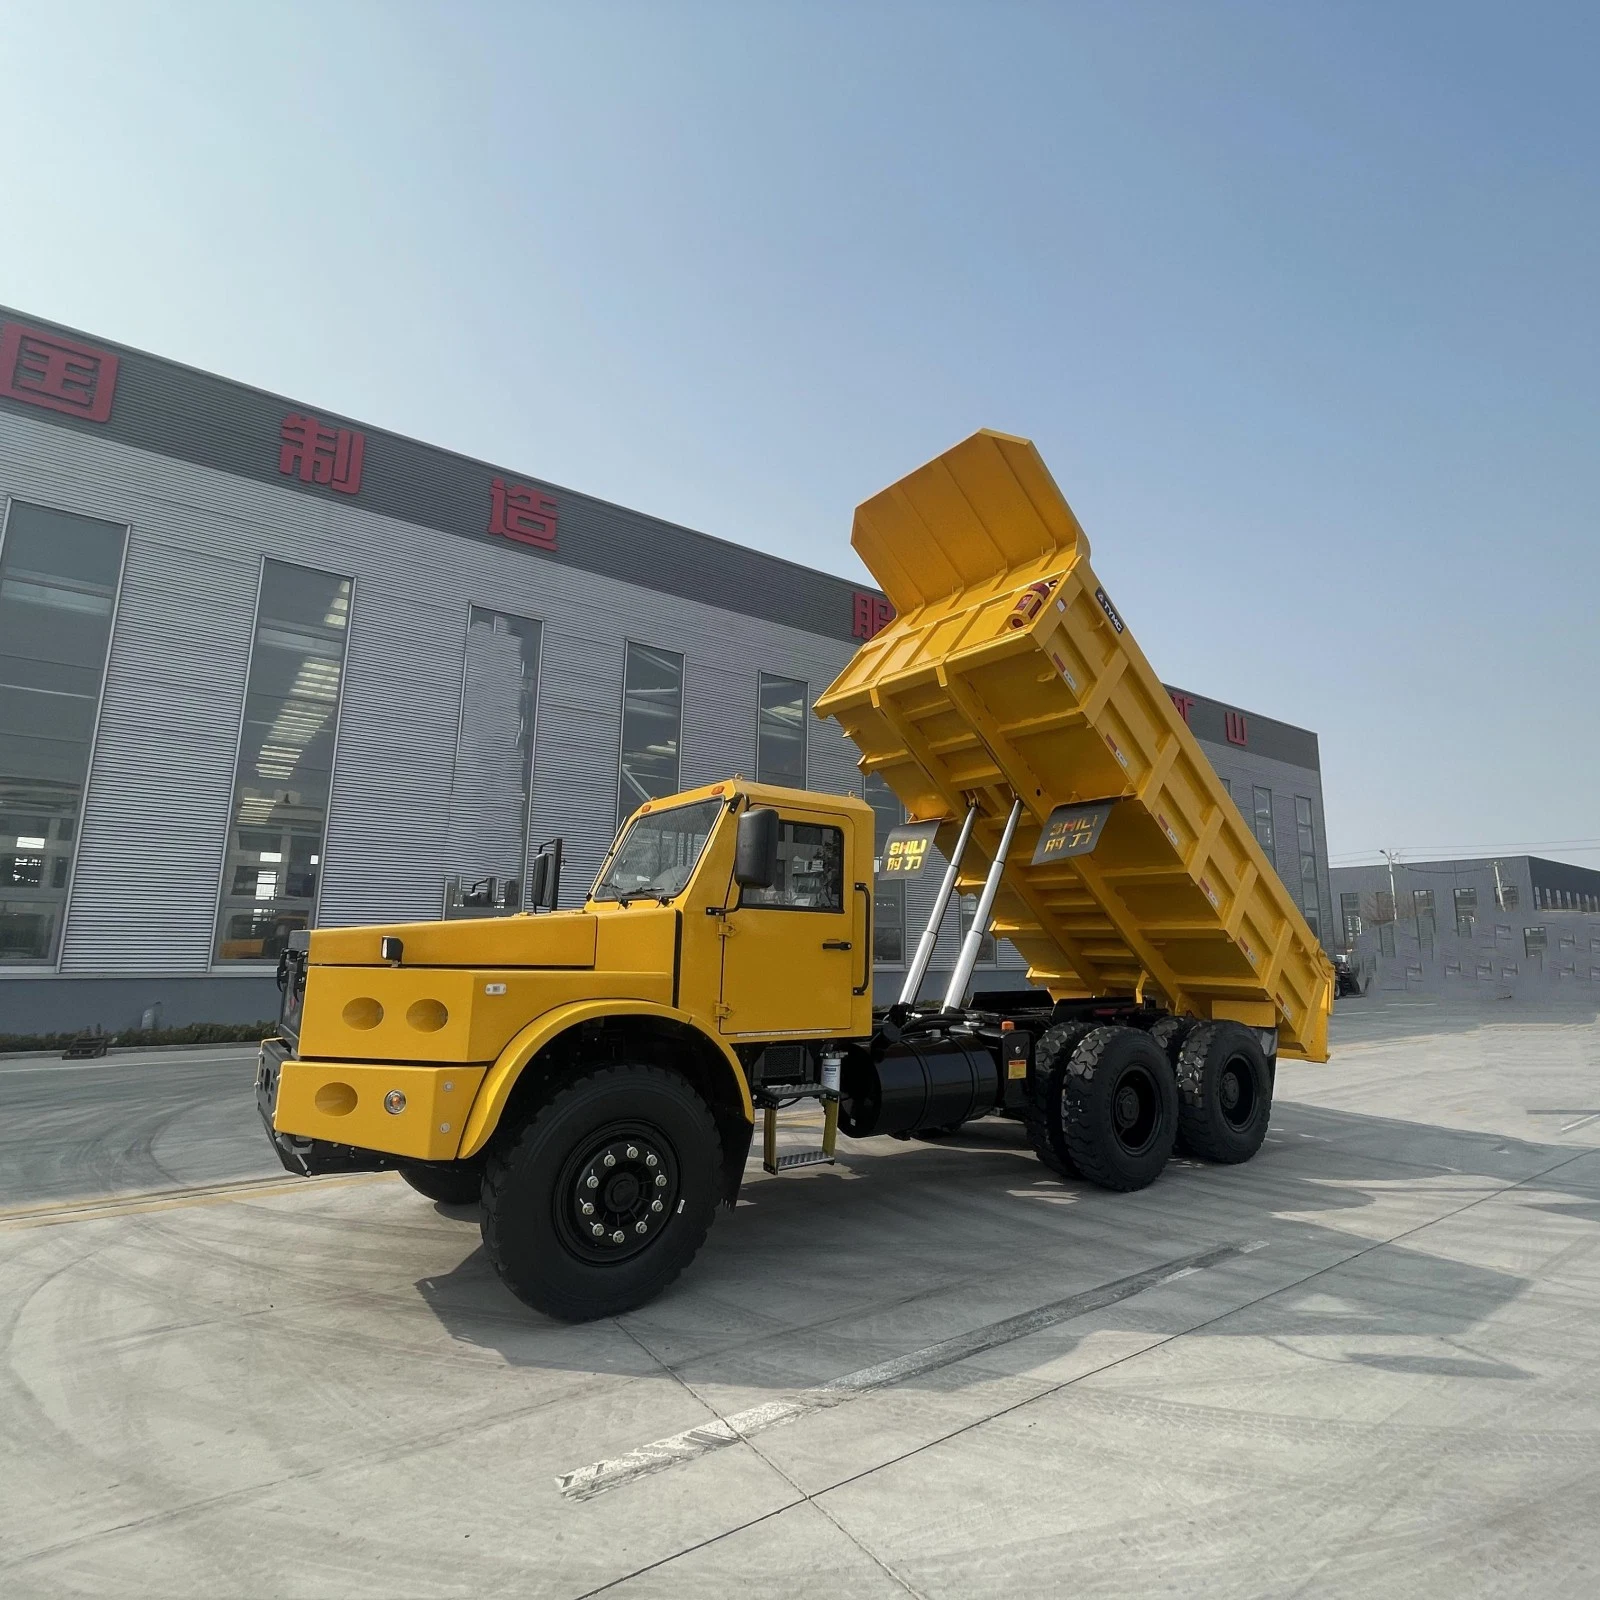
(1298, 301)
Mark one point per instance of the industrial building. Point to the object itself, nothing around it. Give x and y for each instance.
(264, 667)
(1516, 927)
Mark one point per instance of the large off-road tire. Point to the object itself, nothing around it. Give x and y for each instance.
(1170, 1032)
(637, 1146)
(1224, 1092)
(456, 1185)
(1042, 1116)
(1119, 1108)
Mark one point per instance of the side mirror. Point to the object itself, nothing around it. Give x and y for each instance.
(755, 856)
(544, 877)
(511, 897)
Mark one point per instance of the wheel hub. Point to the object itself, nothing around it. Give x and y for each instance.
(617, 1194)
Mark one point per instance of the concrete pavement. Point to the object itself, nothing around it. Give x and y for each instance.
(1367, 1363)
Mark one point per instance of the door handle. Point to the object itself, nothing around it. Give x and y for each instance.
(836, 944)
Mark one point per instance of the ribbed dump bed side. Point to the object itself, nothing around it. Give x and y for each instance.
(987, 685)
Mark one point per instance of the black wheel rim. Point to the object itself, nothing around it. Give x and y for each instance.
(1135, 1110)
(1236, 1093)
(616, 1193)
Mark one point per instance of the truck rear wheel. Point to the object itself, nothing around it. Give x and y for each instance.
(1224, 1092)
(460, 1185)
(1119, 1108)
(1042, 1118)
(604, 1195)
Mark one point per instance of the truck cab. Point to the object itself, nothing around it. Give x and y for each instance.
(725, 920)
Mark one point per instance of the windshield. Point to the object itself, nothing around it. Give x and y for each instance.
(658, 853)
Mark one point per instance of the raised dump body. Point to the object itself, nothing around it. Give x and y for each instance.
(1008, 671)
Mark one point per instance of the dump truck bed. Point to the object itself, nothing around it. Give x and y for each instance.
(1009, 671)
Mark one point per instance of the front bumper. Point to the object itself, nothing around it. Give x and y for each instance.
(360, 1116)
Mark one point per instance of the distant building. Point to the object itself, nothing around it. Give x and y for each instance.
(1515, 926)
(262, 667)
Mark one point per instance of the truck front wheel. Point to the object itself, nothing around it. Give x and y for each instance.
(1119, 1108)
(458, 1184)
(604, 1195)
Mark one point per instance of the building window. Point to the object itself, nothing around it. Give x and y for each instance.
(1263, 820)
(887, 813)
(810, 870)
(285, 769)
(1427, 922)
(1535, 941)
(490, 792)
(986, 945)
(1350, 917)
(1306, 838)
(652, 725)
(1505, 894)
(58, 591)
(781, 732)
(1466, 912)
(1386, 938)
(889, 924)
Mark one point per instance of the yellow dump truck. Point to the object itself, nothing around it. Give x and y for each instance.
(594, 1076)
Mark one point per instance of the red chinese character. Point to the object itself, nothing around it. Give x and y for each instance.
(320, 454)
(46, 370)
(518, 511)
(1236, 728)
(1184, 703)
(872, 613)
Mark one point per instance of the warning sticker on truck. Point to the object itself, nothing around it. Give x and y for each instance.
(1071, 831)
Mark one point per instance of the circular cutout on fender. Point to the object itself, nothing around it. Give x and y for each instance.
(363, 1013)
(336, 1099)
(427, 1016)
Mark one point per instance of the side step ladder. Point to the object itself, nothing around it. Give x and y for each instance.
(774, 1163)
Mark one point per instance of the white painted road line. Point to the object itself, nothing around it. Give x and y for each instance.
(599, 1477)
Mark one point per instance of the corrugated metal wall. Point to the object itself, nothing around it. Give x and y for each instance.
(156, 816)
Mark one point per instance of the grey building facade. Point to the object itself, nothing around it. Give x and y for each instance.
(263, 667)
(1513, 927)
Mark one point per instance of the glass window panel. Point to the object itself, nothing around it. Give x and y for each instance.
(490, 793)
(1263, 818)
(810, 870)
(1350, 914)
(285, 768)
(887, 812)
(889, 924)
(652, 722)
(58, 588)
(986, 945)
(781, 732)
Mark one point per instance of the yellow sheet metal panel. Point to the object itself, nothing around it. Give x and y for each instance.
(1010, 671)
(349, 1102)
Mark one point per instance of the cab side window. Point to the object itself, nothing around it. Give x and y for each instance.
(810, 870)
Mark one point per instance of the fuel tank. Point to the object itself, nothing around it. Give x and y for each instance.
(927, 1084)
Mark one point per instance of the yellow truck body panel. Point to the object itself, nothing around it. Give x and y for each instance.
(1008, 671)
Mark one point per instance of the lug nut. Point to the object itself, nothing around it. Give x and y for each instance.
(611, 1160)
(661, 1180)
(655, 1205)
(587, 1209)
(650, 1160)
(633, 1152)
(591, 1182)
(641, 1227)
(596, 1230)
(616, 1238)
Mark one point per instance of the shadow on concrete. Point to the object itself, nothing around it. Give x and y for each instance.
(849, 1264)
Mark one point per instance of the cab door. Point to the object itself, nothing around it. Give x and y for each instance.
(794, 953)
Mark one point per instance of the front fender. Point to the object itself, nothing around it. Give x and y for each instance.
(501, 1078)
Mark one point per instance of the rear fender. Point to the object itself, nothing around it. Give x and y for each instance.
(501, 1079)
